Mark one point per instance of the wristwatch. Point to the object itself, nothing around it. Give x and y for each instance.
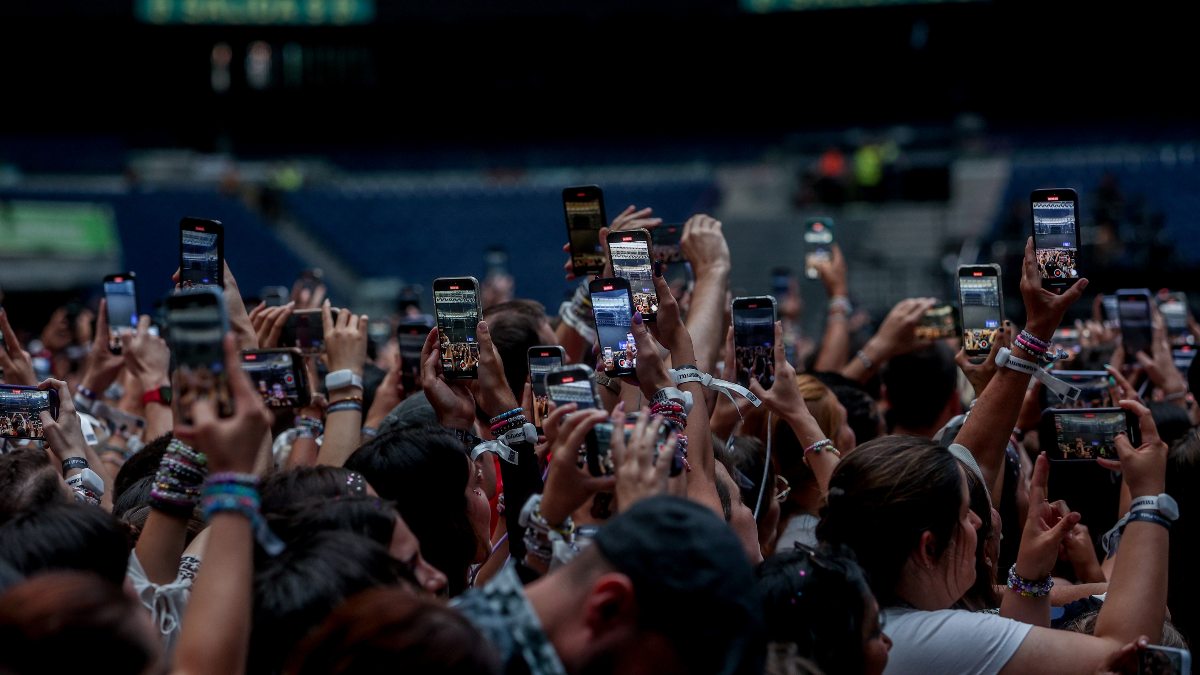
(340, 379)
(1162, 504)
(160, 395)
(609, 383)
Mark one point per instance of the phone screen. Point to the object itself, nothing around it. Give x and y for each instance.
(197, 325)
(20, 409)
(122, 308)
(1093, 386)
(1087, 435)
(667, 240)
(818, 238)
(936, 323)
(305, 330)
(200, 254)
(1157, 660)
(410, 337)
(614, 326)
(1174, 310)
(1136, 332)
(274, 375)
(457, 307)
(980, 299)
(573, 386)
(754, 341)
(1055, 239)
(540, 363)
(584, 208)
(631, 261)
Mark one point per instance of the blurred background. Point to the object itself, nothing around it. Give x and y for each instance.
(388, 143)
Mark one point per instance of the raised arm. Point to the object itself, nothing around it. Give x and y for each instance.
(835, 344)
(704, 246)
(148, 358)
(346, 349)
(986, 431)
(896, 336)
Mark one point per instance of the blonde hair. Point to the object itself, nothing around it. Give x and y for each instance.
(822, 404)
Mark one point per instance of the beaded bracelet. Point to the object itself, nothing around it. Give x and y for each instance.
(230, 492)
(344, 405)
(176, 487)
(1026, 588)
(505, 415)
(1036, 341)
(508, 425)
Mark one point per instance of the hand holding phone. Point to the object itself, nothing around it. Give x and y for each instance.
(754, 339)
(936, 323)
(629, 251)
(1159, 660)
(410, 337)
(21, 408)
(120, 299)
(981, 307)
(279, 377)
(201, 253)
(456, 305)
(612, 305)
(1137, 333)
(1056, 236)
(583, 207)
(198, 323)
(1086, 434)
(541, 360)
(818, 244)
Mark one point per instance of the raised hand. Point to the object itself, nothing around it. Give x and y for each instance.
(14, 361)
(453, 403)
(642, 470)
(491, 390)
(1046, 527)
(1143, 468)
(1044, 309)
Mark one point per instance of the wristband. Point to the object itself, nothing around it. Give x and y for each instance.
(1147, 517)
(1029, 589)
(1065, 391)
(85, 392)
(88, 480)
(83, 404)
(467, 438)
(341, 379)
(843, 303)
(342, 406)
(866, 360)
(610, 383)
(690, 373)
(74, 463)
(683, 398)
(506, 415)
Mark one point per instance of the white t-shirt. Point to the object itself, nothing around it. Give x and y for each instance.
(802, 528)
(950, 641)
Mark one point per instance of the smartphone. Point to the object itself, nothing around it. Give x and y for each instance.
(1173, 306)
(456, 304)
(279, 376)
(274, 296)
(201, 253)
(572, 384)
(20, 410)
(630, 255)
(1056, 236)
(1183, 357)
(1137, 333)
(541, 360)
(121, 300)
(305, 330)
(1085, 434)
(818, 242)
(664, 431)
(119, 422)
(311, 278)
(1159, 660)
(981, 306)
(197, 323)
(1093, 386)
(666, 243)
(410, 337)
(754, 339)
(937, 323)
(495, 261)
(1067, 339)
(612, 305)
(583, 206)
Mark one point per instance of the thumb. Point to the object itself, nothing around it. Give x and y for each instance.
(1145, 360)
(1064, 525)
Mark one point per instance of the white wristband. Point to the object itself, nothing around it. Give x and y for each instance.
(687, 374)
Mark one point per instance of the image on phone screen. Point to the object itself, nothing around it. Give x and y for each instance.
(457, 317)
(584, 208)
(539, 365)
(197, 326)
(1087, 435)
(201, 259)
(273, 375)
(614, 326)
(818, 240)
(1093, 386)
(571, 386)
(20, 411)
(1159, 660)
(1174, 310)
(305, 330)
(980, 298)
(937, 323)
(754, 343)
(631, 261)
(122, 309)
(1055, 239)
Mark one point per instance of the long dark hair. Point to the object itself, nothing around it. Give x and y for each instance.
(883, 497)
(817, 600)
(424, 471)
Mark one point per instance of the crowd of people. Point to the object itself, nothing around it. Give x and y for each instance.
(883, 506)
(1058, 263)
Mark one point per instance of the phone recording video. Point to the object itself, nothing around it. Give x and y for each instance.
(1093, 387)
(410, 338)
(121, 300)
(818, 242)
(612, 306)
(305, 330)
(201, 253)
(1159, 660)
(667, 239)
(754, 340)
(937, 323)
(1056, 237)
(542, 359)
(584, 209)
(1133, 310)
(456, 303)
(571, 384)
(982, 309)
(630, 254)
(279, 376)
(197, 324)
(20, 410)
(1087, 434)
(274, 296)
(1173, 306)
(663, 432)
